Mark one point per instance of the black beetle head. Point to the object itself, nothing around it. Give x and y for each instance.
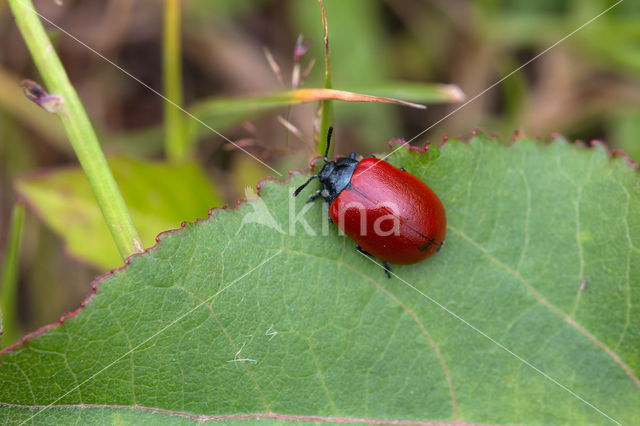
(334, 175)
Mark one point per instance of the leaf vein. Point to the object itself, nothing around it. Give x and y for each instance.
(533, 292)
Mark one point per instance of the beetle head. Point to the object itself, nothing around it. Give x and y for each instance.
(334, 175)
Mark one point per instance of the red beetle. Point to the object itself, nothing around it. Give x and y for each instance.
(389, 213)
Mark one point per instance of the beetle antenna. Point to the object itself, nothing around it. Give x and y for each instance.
(326, 152)
(301, 187)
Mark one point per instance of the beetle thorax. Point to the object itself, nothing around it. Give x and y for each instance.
(335, 177)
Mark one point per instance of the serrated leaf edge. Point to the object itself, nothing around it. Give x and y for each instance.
(396, 141)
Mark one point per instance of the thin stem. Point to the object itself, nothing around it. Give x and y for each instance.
(326, 107)
(8, 289)
(78, 128)
(175, 140)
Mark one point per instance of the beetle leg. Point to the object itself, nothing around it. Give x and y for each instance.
(387, 268)
(372, 156)
(426, 246)
(440, 246)
(313, 197)
(301, 187)
(361, 250)
(385, 264)
(325, 205)
(403, 169)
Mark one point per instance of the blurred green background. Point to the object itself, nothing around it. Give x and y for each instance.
(587, 87)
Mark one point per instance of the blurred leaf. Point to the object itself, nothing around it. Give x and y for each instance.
(326, 116)
(310, 95)
(424, 93)
(16, 153)
(612, 40)
(204, 11)
(14, 103)
(610, 47)
(538, 7)
(246, 172)
(159, 196)
(235, 319)
(625, 127)
(359, 55)
(145, 142)
(221, 113)
(10, 275)
(514, 92)
(516, 31)
(352, 23)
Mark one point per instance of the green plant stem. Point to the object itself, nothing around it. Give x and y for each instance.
(78, 128)
(326, 107)
(8, 289)
(175, 137)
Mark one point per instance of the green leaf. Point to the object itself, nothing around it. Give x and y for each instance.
(231, 317)
(160, 196)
